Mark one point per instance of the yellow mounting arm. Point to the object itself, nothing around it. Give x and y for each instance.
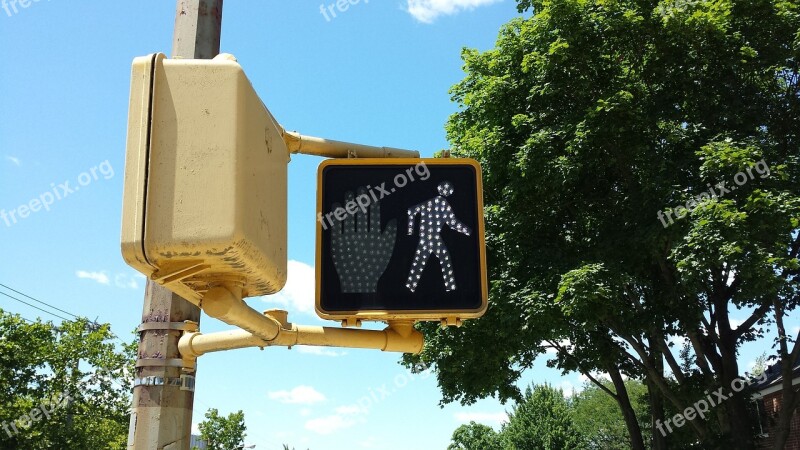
(273, 329)
(309, 145)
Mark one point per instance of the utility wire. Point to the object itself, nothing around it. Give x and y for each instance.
(26, 319)
(39, 301)
(91, 324)
(95, 323)
(34, 307)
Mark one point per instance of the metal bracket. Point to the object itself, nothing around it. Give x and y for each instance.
(352, 154)
(177, 326)
(158, 362)
(185, 382)
(351, 322)
(178, 274)
(451, 322)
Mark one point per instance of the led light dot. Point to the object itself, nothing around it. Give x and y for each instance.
(434, 215)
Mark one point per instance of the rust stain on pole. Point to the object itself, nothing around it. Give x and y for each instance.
(198, 25)
(162, 409)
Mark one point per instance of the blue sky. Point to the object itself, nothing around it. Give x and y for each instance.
(377, 74)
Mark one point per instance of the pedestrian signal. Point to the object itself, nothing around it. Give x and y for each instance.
(400, 239)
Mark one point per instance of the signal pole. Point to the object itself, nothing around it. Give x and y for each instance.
(163, 396)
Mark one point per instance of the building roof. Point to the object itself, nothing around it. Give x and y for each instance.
(775, 378)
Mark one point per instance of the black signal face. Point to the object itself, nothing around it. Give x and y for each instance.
(400, 239)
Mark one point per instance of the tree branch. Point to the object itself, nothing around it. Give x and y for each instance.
(711, 331)
(673, 365)
(658, 380)
(703, 358)
(757, 315)
(562, 351)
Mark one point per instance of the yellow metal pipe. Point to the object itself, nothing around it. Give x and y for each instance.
(225, 303)
(309, 145)
(193, 345)
(272, 328)
(400, 337)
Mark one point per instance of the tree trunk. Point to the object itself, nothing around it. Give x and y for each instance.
(659, 441)
(790, 398)
(739, 428)
(634, 431)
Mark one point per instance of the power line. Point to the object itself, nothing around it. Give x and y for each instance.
(39, 301)
(34, 307)
(91, 324)
(26, 319)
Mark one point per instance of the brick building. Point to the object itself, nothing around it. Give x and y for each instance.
(768, 399)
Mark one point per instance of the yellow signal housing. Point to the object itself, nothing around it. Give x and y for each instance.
(205, 196)
(393, 301)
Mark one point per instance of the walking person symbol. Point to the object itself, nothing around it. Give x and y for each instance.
(434, 214)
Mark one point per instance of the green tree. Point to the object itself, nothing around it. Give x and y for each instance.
(223, 433)
(593, 121)
(65, 387)
(542, 421)
(597, 416)
(475, 436)
(762, 362)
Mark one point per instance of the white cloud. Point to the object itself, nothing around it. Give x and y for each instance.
(305, 412)
(284, 435)
(552, 351)
(99, 277)
(125, 281)
(735, 323)
(319, 351)
(427, 11)
(329, 424)
(568, 388)
(14, 160)
(345, 417)
(301, 395)
(120, 280)
(370, 442)
(599, 376)
(677, 341)
(195, 429)
(349, 409)
(496, 418)
(298, 294)
(731, 278)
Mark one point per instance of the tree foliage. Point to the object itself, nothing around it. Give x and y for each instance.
(599, 124)
(223, 433)
(475, 436)
(65, 387)
(543, 421)
(547, 420)
(598, 419)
